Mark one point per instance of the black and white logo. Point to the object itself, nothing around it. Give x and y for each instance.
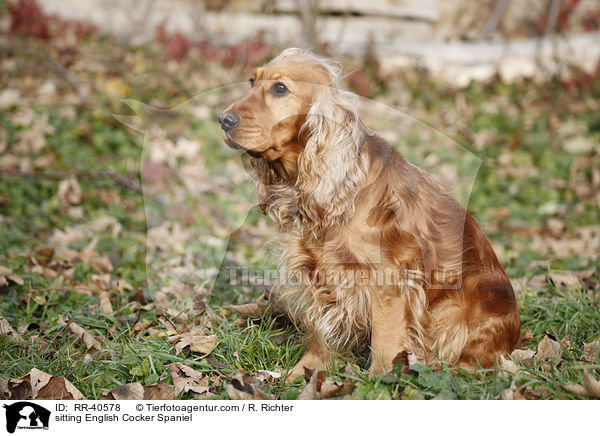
(26, 415)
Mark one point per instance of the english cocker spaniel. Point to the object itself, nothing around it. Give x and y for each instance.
(377, 252)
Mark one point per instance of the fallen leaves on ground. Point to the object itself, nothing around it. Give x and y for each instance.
(583, 241)
(537, 393)
(523, 357)
(196, 340)
(589, 389)
(160, 391)
(263, 374)
(314, 381)
(246, 387)
(69, 192)
(7, 330)
(590, 351)
(105, 304)
(318, 387)
(90, 341)
(569, 281)
(6, 274)
(526, 337)
(38, 385)
(251, 310)
(508, 365)
(329, 388)
(131, 391)
(549, 348)
(157, 391)
(187, 379)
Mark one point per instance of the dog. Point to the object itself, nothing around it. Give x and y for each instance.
(352, 209)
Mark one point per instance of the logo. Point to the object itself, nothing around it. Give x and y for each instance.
(26, 415)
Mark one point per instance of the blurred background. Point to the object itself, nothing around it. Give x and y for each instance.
(455, 39)
(118, 199)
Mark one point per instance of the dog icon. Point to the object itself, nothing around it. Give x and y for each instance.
(27, 414)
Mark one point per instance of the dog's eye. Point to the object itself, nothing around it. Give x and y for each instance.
(279, 89)
(251, 80)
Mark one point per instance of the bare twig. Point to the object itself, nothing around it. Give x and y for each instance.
(494, 19)
(129, 183)
(552, 17)
(64, 74)
(309, 13)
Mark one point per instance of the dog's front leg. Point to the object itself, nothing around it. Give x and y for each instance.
(315, 356)
(388, 330)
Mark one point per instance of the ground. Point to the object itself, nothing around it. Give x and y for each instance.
(80, 301)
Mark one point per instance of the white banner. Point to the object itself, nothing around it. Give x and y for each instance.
(367, 418)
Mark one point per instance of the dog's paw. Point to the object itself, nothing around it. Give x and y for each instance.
(376, 367)
(296, 372)
(310, 361)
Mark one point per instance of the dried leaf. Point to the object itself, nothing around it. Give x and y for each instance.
(526, 337)
(591, 384)
(4, 391)
(159, 391)
(18, 389)
(406, 359)
(538, 281)
(556, 226)
(549, 349)
(245, 387)
(69, 191)
(314, 381)
(508, 394)
(250, 310)
(567, 280)
(102, 265)
(523, 357)
(519, 396)
(6, 274)
(217, 363)
(187, 379)
(46, 252)
(37, 384)
(590, 388)
(577, 390)
(9, 97)
(590, 351)
(263, 374)
(197, 343)
(536, 393)
(81, 333)
(43, 271)
(131, 391)
(239, 323)
(59, 388)
(7, 330)
(508, 365)
(141, 326)
(330, 388)
(105, 304)
(38, 379)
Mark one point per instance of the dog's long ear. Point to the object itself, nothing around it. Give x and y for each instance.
(329, 168)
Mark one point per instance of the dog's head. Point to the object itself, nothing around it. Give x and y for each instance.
(293, 100)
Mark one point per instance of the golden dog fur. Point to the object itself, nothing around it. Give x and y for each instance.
(351, 207)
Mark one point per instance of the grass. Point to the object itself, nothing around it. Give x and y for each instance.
(524, 182)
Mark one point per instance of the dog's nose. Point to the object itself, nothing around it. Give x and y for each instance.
(228, 121)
